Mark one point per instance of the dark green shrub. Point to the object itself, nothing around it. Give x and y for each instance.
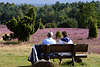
(51, 25)
(58, 34)
(24, 27)
(12, 36)
(93, 30)
(6, 37)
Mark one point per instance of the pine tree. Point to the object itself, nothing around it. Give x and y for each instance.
(24, 27)
(93, 30)
(41, 26)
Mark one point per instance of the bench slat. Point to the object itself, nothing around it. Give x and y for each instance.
(69, 56)
(66, 48)
(81, 48)
(61, 48)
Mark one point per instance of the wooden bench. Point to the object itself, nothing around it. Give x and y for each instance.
(72, 48)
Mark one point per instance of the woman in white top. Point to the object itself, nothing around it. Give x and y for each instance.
(65, 39)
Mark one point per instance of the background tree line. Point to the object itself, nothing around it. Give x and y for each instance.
(70, 15)
(26, 19)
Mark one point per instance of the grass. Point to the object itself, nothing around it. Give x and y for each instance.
(16, 56)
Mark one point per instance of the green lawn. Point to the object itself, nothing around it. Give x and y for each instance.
(16, 56)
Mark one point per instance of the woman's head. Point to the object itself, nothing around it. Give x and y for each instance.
(64, 33)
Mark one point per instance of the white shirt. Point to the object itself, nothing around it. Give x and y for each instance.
(63, 42)
(49, 41)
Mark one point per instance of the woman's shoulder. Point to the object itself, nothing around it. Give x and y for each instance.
(66, 39)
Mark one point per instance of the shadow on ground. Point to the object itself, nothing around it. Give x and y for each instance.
(25, 66)
(69, 63)
(9, 43)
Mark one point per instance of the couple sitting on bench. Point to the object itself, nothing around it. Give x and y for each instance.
(36, 53)
(64, 40)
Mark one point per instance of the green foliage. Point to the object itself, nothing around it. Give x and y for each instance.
(58, 34)
(31, 13)
(55, 13)
(12, 24)
(12, 36)
(82, 16)
(6, 37)
(39, 24)
(9, 36)
(93, 30)
(51, 25)
(23, 28)
(7, 11)
(68, 23)
(86, 10)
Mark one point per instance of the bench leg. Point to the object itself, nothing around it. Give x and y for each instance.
(73, 60)
(53, 60)
(60, 59)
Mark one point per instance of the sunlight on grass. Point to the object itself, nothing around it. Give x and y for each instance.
(16, 56)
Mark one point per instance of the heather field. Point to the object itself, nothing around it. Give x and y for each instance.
(79, 36)
(14, 54)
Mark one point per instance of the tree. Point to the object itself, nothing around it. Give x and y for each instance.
(93, 29)
(39, 24)
(86, 10)
(83, 15)
(23, 28)
(20, 13)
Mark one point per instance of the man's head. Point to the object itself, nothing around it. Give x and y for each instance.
(50, 34)
(64, 33)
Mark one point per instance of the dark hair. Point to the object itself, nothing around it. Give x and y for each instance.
(64, 33)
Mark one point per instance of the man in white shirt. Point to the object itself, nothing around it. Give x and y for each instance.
(37, 51)
(49, 40)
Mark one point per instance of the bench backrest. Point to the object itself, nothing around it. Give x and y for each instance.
(65, 48)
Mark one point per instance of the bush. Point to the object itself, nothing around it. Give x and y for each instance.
(22, 28)
(12, 36)
(6, 37)
(93, 32)
(51, 25)
(68, 23)
(9, 36)
(58, 35)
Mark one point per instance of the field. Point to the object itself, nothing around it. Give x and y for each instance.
(14, 54)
